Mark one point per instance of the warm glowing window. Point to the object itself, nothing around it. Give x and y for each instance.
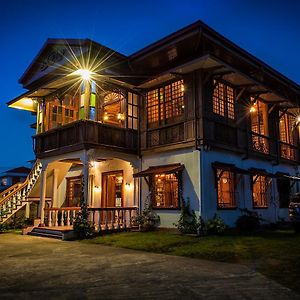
(226, 189)
(259, 127)
(61, 112)
(165, 103)
(223, 100)
(166, 191)
(287, 136)
(113, 109)
(261, 190)
(132, 116)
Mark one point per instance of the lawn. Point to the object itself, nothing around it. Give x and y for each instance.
(275, 254)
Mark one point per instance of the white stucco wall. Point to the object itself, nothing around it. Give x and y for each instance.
(190, 178)
(244, 197)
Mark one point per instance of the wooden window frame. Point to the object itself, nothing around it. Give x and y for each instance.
(217, 100)
(166, 96)
(267, 192)
(233, 182)
(178, 176)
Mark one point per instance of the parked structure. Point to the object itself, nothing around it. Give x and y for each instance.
(192, 116)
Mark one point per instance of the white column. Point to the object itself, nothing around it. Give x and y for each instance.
(27, 210)
(54, 188)
(86, 181)
(42, 196)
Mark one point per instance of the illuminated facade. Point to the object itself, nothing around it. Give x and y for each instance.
(191, 117)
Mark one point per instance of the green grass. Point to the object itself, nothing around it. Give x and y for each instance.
(275, 254)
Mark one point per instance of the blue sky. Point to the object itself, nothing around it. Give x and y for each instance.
(269, 30)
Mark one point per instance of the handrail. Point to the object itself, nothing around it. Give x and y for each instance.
(112, 208)
(62, 208)
(15, 191)
(9, 189)
(23, 184)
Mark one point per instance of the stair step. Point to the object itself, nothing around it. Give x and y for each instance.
(45, 235)
(47, 231)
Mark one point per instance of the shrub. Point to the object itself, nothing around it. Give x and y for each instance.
(82, 226)
(249, 221)
(188, 222)
(3, 227)
(215, 225)
(147, 220)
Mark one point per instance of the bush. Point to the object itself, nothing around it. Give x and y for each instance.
(249, 221)
(215, 225)
(3, 227)
(188, 223)
(82, 226)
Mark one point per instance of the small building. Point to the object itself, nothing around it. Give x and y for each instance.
(13, 176)
(192, 116)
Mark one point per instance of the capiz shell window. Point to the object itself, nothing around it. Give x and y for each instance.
(165, 104)
(166, 191)
(223, 100)
(261, 191)
(225, 188)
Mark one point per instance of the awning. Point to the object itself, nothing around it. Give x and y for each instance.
(295, 178)
(166, 169)
(229, 167)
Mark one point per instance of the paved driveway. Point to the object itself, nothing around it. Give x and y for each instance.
(38, 268)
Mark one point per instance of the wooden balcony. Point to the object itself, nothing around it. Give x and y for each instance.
(85, 134)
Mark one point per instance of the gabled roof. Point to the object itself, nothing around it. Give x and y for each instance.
(57, 53)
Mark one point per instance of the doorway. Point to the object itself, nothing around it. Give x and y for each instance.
(112, 189)
(73, 191)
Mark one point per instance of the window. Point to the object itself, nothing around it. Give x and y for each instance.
(259, 127)
(132, 116)
(165, 104)
(225, 188)
(61, 112)
(166, 191)
(287, 137)
(223, 100)
(261, 191)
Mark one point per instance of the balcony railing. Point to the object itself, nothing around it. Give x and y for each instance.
(108, 218)
(288, 151)
(85, 134)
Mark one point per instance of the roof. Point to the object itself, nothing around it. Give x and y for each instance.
(19, 171)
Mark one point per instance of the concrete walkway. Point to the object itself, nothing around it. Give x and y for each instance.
(39, 268)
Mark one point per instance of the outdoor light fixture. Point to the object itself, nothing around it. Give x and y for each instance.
(297, 120)
(97, 188)
(127, 186)
(121, 117)
(85, 74)
(252, 109)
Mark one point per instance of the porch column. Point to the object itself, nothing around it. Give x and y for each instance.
(42, 197)
(86, 181)
(54, 188)
(27, 210)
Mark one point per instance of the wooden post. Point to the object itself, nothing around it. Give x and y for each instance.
(42, 197)
(54, 188)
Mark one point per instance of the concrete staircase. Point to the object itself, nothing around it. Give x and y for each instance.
(46, 233)
(16, 197)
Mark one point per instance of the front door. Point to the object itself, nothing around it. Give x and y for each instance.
(112, 192)
(73, 191)
(112, 189)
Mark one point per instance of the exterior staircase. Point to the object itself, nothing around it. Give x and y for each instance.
(16, 197)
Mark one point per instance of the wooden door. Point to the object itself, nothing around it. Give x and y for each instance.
(112, 191)
(73, 191)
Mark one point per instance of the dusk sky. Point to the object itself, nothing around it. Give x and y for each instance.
(269, 30)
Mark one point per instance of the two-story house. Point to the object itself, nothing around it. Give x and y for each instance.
(190, 116)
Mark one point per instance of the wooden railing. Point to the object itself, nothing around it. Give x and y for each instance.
(108, 218)
(84, 133)
(288, 151)
(15, 198)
